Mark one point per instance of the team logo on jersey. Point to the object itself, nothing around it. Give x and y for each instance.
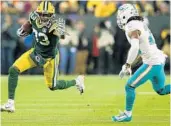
(44, 30)
(37, 58)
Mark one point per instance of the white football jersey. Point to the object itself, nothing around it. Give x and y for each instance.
(147, 47)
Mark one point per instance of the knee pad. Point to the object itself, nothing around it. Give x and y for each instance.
(13, 70)
(160, 92)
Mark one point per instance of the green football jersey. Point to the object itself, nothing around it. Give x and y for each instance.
(45, 42)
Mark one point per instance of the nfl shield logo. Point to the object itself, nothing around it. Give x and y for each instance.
(37, 58)
(44, 30)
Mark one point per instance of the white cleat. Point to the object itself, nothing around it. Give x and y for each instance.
(8, 107)
(80, 83)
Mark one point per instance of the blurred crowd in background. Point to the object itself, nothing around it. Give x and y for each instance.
(102, 52)
(100, 8)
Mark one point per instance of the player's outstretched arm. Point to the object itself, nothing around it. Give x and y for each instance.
(132, 54)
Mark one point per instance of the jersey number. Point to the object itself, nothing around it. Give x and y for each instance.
(151, 38)
(41, 38)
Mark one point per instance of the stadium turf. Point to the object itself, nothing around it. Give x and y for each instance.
(36, 105)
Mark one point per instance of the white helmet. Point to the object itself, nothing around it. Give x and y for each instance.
(124, 13)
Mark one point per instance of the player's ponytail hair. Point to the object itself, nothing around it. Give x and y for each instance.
(135, 18)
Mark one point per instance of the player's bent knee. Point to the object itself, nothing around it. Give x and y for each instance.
(52, 89)
(129, 87)
(55, 87)
(13, 70)
(160, 92)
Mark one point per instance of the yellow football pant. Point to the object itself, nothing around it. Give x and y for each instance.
(24, 62)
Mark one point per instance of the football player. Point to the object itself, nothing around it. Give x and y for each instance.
(45, 53)
(142, 42)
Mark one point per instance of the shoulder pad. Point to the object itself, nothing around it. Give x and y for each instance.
(33, 16)
(134, 25)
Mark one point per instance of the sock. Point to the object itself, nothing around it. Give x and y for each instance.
(129, 113)
(12, 82)
(77, 81)
(11, 101)
(130, 97)
(165, 90)
(62, 84)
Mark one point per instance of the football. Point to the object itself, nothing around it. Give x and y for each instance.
(27, 27)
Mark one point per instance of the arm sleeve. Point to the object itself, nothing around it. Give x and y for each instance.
(133, 52)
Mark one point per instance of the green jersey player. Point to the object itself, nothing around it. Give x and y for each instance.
(47, 32)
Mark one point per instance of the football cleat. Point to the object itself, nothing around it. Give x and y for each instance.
(8, 107)
(122, 117)
(80, 83)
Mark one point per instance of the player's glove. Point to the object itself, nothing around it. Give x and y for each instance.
(22, 33)
(126, 70)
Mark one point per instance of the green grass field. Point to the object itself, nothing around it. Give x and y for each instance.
(36, 105)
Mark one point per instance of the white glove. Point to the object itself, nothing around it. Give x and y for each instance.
(22, 33)
(126, 70)
(108, 24)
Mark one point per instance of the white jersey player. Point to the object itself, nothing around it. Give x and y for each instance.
(142, 42)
